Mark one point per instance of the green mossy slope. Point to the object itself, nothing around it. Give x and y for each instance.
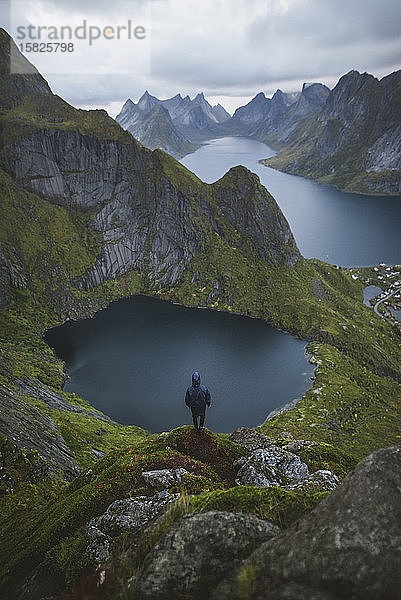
(47, 526)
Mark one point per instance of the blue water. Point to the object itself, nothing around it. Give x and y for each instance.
(337, 227)
(134, 361)
(370, 291)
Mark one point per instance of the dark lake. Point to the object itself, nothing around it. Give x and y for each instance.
(337, 227)
(134, 361)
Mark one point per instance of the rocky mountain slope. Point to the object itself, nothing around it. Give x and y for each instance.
(284, 117)
(171, 124)
(151, 124)
(88, 215)
(353, 141)
(349, 136)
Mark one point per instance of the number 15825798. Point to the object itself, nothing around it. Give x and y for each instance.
(47, 47)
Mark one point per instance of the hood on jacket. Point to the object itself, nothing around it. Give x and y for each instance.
(195, 379)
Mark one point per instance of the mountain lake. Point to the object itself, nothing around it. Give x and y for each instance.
(134, 359)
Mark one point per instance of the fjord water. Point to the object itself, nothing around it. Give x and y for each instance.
(337, 227)
(134, 361)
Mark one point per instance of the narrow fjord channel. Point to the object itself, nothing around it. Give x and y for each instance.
(351, 230)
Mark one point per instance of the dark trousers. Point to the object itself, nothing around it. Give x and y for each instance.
(195, 420)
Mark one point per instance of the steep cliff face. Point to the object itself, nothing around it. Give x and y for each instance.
(146, 222)
(245, 118)
(285, 114)
(354, 140)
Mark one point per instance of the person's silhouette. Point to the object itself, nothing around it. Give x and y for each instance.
(197, 398)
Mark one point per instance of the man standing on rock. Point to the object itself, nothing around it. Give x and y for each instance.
(196, 398)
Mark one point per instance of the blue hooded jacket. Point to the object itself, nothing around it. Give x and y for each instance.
(197, 396)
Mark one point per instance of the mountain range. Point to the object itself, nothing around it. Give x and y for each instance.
(349, 136)
(90, 508)
(352, 140)
(173, 125)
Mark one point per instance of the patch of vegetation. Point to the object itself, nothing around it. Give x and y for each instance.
(215, 450)
(53, 522)
(349, 407)
(327, 457)
(274, 504)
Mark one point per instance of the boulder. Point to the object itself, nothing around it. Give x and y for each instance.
(197, 552)
(319, 481)
(249, 438)
(163, 479)
(296, 446)
(121, 516)
(271, 466)
(349, 546)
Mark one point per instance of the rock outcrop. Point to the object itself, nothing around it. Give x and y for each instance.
(269, 465)
(197, 552)
(30, 428)
(272, 466)
(163, 479)
(349, 546)
(123, 516)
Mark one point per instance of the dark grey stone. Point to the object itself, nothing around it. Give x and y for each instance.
(197, 552)
(347, 547)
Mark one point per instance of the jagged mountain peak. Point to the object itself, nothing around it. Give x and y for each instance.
(128, 104)
(260, 97)
(279, 97)
(220, 113)
(254, 111)
(312, 98)
(146, 101)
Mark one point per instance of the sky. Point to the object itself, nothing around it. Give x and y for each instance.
(229, 49)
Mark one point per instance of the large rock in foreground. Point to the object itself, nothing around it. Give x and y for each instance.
(348, 547)
(198, 551)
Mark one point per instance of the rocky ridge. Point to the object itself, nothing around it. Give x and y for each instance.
(324, 554)
(173, 125)
(354, 139)
(152, 126)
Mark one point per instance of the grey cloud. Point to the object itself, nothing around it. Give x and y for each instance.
(239, 47)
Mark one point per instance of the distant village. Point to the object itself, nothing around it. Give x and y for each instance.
(385, 292)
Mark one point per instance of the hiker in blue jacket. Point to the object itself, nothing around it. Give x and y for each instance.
(196, 398)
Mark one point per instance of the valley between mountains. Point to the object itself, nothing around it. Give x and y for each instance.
(348, 136)
(91, 508)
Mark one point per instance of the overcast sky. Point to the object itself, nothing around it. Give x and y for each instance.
(230, 49)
